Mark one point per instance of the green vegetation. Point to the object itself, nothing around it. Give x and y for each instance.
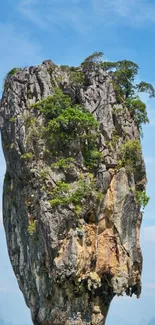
(52, 106)
(123, 78)
(30, 120)
(44, 173)
(64, 195)
(92, 61)
(66, 123)
(51, 71)
(125, 72)
(114, 140)
(52, 68)
(65, 68)
(70, 128)
(72, 122)
(63, 163)
(76, 77)
(146, 87)
(27, 156)
(32, 227)
(130, 154)
(81, 192)
(34, 130)
(29, 94)
(92, 156)
(142, 199)
(59, 194)
(12, 72)
(138, 111)
(75, 74)
(12, 145)
(13, 119)
(108, 66)
(78, 209)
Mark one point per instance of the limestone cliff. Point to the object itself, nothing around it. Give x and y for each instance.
(71, 201)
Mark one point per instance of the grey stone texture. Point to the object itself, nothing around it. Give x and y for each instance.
(71, 268)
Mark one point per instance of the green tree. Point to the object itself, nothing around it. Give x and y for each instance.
(108, 65)
(146, 87)
(66, 122)
(130, 154)
(53, 106)
(138, 111)
(92, 60)
(142, 199)
(124, 77)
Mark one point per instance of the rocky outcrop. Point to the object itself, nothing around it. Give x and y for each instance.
(72, 228)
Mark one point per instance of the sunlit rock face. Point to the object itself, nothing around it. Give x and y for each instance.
(72, 228)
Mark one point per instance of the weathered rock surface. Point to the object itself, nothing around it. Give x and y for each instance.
(73, 265)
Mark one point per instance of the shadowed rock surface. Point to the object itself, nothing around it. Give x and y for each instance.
(70, 258)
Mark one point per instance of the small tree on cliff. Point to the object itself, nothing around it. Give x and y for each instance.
(93, 60)
(125, 74)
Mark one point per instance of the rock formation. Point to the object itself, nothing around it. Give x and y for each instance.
(72, 192)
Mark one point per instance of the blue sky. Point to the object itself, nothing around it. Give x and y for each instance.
(67, 31)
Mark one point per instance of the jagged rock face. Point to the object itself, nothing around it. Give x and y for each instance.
(69, 265)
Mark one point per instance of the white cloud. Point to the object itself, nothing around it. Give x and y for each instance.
(29, 9)
(57, 14)
(132, 11)
(120, 7)
(86, 16)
